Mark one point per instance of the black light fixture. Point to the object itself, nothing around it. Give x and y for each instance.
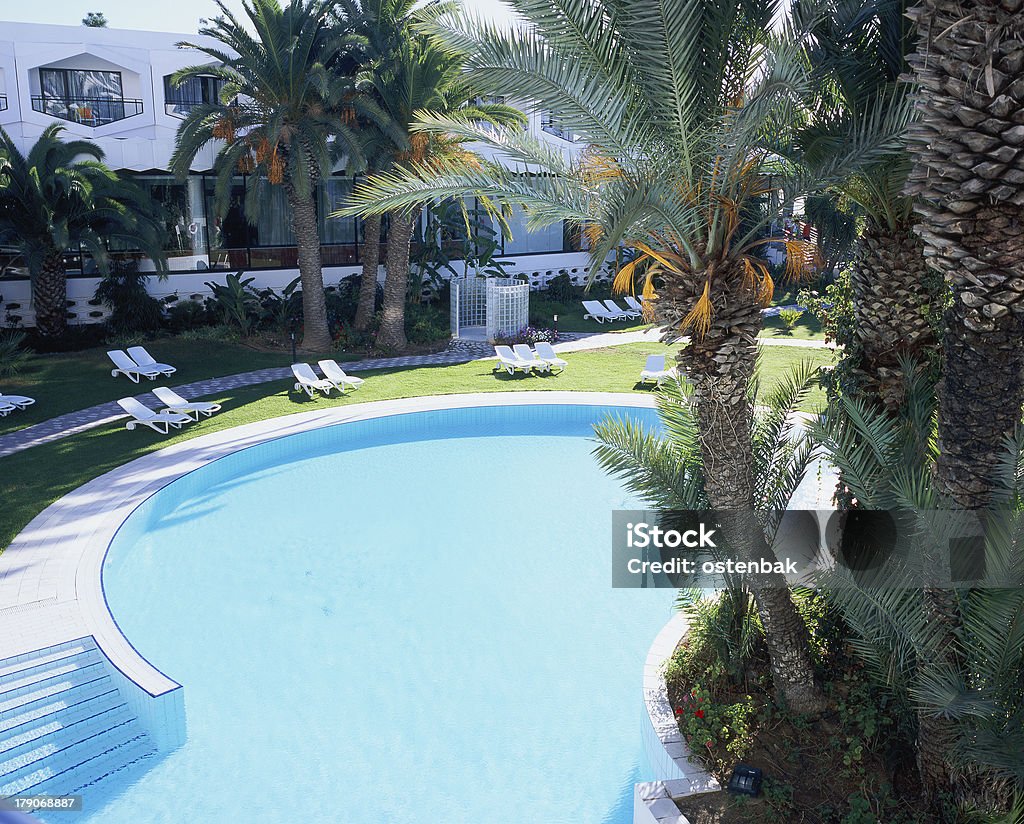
(745, 780)
(291, 334)
(556, 327)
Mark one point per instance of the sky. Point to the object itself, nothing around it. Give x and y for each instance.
(178, 16)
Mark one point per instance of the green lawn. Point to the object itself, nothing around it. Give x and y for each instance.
(807, 328)
(66, 382)
(34, 478)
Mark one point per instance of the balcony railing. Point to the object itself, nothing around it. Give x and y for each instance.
(182, 108)
(3, 102)
(89, 111)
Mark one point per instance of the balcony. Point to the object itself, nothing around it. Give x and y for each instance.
(89, 111)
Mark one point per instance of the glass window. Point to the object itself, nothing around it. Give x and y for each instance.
(93, 98)
(521, 241)
(333, 230)
(180, 100)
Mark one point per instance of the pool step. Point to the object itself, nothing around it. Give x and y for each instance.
(63, 723)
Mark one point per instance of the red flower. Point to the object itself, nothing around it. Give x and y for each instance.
(679, 711)
(699, 713)
(707, 744)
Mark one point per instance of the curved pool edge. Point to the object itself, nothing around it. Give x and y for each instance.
(668, 756)
(51, 588)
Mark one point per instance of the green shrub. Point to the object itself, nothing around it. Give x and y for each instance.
(790, 318)
(427, 322)
(561, 288)
(132, 308)
(235, 303)
(187, 314)
(221, 332)
(13, 356)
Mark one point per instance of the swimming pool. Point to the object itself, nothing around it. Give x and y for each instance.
(407, 619)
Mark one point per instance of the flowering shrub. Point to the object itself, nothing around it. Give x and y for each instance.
(716, 728)
(529, 335)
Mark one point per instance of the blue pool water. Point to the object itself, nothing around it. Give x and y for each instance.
(402, 620)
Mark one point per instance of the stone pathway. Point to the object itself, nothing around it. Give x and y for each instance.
(458, 351)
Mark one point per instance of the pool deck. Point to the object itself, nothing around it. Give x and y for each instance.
(50, 576)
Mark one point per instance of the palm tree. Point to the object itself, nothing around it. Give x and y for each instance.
(676, 101)
(952, 657)
(667, 472)
(857, 53)
(283, 120)
(58, 195)
(968, 180)
(409, 74)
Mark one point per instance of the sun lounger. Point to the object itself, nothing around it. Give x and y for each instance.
(17, 401)
(547, 353)
(336, 375)
(655, 372)
(598, 311)
(161, 421)
(511, 362)
(176, 403)
(147, 361)
(619, 312)
(129, 368)
(308, 382)
(634, 304)
(525, 353)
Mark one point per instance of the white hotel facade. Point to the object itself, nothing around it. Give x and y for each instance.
(113, 87)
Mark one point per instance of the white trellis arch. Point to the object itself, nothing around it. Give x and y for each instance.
(489, 308)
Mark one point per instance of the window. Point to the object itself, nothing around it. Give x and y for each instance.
(195, 91)
(550, 124)
(521, 241)
(92, 98)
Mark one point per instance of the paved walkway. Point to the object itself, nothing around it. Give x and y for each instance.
(458, 351)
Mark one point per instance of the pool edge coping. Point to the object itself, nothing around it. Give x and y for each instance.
(54, 565)
(666, 750)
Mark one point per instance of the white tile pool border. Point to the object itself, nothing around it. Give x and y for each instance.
(667, 754)
(50, 576)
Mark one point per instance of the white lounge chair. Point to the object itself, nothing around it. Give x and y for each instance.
(17, 401)
(147, 361)
(308, 382)
(655, 372)
(6, 409)
(175, 403)
(161, 421)
(130, 369)
(336, 375)
(621, 313)
(511, 362)
(634, 304)
(598, 311)
(546, 353)
(525, 353)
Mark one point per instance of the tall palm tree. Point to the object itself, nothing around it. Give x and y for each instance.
(60, 194)
(417, 76)
(953, 657)
(857, 53)
(676, 101)
(379, 26)
(283, 119)
(968, 181)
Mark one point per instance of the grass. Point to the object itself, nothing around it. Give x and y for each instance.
(31, 480)
(807, 328)
(66, 382)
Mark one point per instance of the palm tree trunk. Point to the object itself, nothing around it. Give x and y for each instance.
(968, 185)
(720, 365)
(396, 281)
(368, 282)
(316, 336)
(893, 296)
(50, 295)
